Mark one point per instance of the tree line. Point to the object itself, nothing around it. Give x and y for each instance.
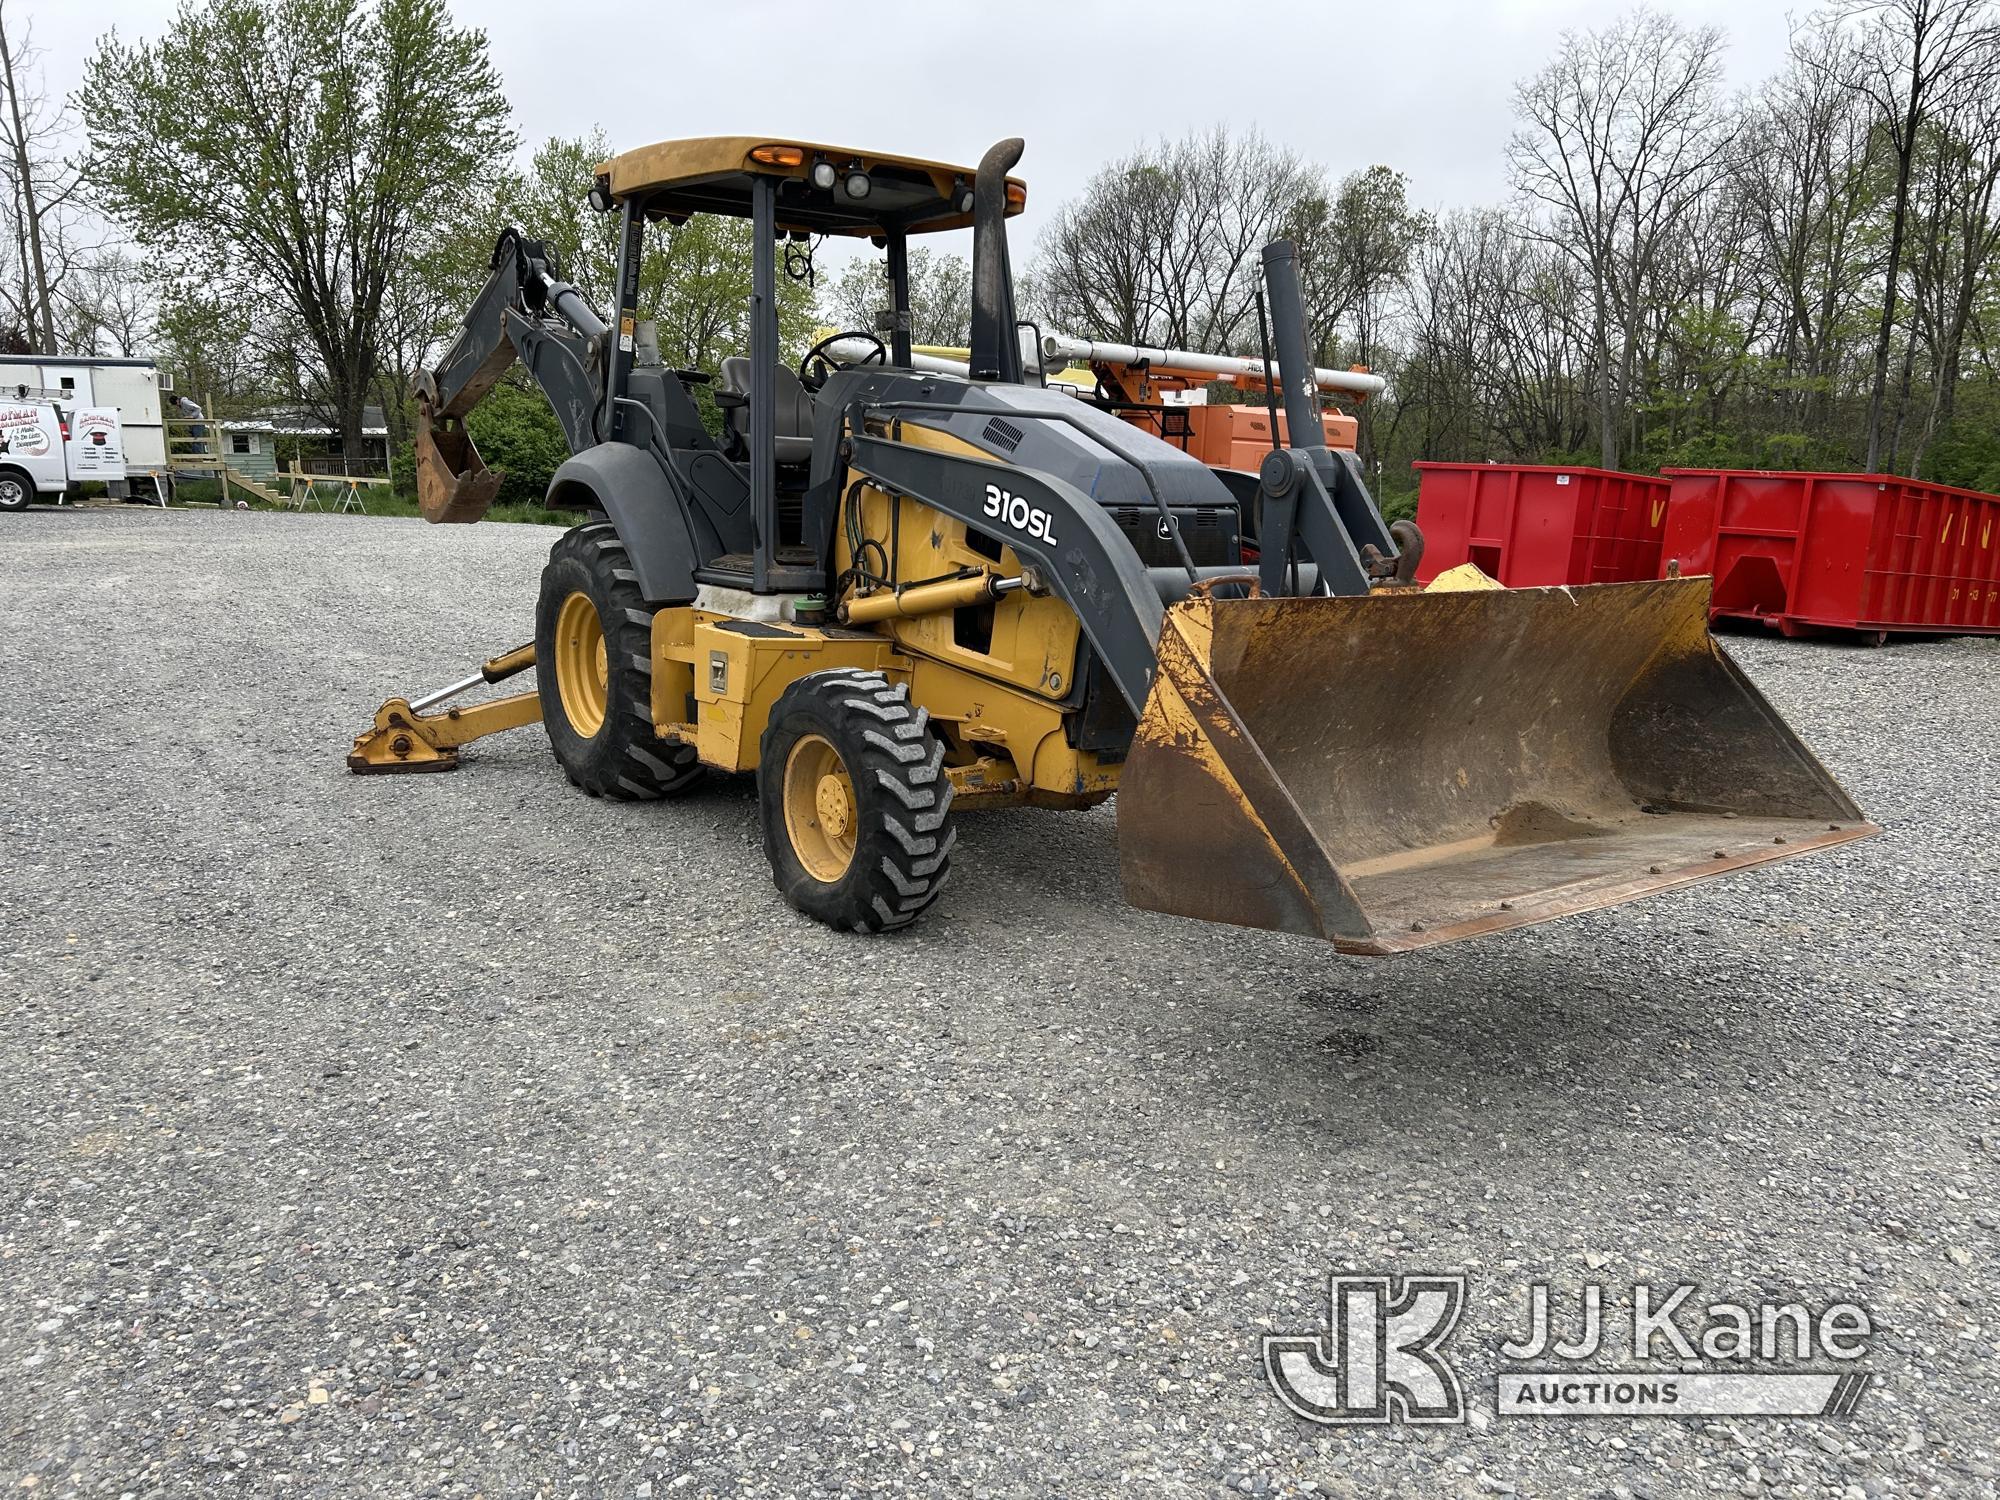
(292, 201)
(1803, 276)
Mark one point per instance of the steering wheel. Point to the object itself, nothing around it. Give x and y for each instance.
(879, 355)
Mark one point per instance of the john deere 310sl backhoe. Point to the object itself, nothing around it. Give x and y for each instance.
(894, 595)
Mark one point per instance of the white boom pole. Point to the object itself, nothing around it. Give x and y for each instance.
(1059, 349)
(1057, 346)
(932, 364)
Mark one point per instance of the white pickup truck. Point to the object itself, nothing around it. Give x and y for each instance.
(46, 448)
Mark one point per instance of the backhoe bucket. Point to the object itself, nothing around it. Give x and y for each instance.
(1416, 767)
(453, 482)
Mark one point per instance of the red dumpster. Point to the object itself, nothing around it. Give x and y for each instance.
(1532, 526)
(1806, 553)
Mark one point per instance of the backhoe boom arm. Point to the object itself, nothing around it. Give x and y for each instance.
(527, 312)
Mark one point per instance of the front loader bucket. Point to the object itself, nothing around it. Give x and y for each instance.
(1416, 767)
(453, 482)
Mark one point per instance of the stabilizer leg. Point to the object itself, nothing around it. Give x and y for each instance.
(405, 737)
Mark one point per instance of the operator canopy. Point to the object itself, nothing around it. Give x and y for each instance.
(822, 189)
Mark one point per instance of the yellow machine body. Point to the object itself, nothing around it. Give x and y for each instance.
(1384, 772)
(996, 674)
(1369, 763)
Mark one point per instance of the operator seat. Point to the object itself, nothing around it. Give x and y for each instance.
(792, 420)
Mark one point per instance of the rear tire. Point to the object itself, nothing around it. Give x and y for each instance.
(594, 672)
(855, 804)
(16, 490)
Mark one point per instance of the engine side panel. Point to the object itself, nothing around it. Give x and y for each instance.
(1028, 427)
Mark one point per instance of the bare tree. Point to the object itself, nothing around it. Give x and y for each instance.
(1957, 237)
(1709, 308)
(940, 297)
(1804, 172)
(107, 306)
(1911, 59)
(1492, 360)
(1448, 377)
(1621, 136)
(42, 184)
(1686, 281)
(1162, 247)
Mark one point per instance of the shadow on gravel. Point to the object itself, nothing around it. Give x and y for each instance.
(1508, 1039)
(1266, 1032)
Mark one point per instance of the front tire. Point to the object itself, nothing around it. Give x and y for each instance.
(855, 804)
(594, 672)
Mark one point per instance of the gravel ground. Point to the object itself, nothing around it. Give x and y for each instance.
(461, 1135)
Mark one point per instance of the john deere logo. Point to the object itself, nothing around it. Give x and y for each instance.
(1378, 1359)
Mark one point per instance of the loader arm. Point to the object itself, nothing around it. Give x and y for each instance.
(526, 312)
(1092, 567)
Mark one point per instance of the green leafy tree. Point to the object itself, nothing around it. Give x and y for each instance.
(295, 150)
(205, 342)
(516, 432)
(1355, 249)
(700, 275)
(548, 201)
(694, 279)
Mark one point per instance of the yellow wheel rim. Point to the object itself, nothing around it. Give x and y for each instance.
(820, 810)
(583, 670)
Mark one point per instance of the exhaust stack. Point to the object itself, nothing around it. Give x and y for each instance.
(996, 347)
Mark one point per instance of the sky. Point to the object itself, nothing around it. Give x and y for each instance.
(1423, 86)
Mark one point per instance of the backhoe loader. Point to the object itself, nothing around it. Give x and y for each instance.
(896, 594)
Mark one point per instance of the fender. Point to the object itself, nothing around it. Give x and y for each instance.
(636, 495)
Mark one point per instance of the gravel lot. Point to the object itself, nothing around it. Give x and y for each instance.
(461, 1135)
